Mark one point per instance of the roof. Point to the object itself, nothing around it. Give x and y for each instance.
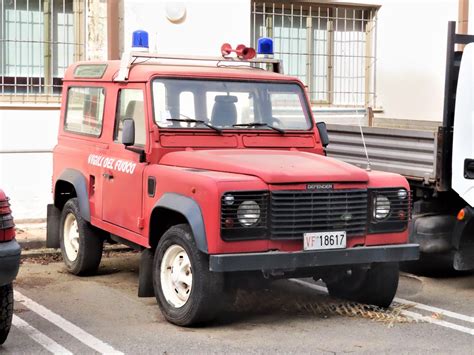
(145, 71)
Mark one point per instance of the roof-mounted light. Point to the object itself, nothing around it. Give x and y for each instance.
(140, 41)
(265, 46)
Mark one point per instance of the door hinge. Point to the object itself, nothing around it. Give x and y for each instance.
(140, 223)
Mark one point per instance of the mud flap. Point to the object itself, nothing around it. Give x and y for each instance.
(52, 226)
(464, 259)
(145, 274)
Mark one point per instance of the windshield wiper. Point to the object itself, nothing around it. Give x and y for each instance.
(259, 124)
(192, 120)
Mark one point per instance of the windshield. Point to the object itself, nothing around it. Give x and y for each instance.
(229, 105)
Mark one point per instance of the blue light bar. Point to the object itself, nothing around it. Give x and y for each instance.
(140, 39)
(265, 46)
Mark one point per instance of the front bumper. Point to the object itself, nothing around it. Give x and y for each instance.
(307, 259)
(9, 261)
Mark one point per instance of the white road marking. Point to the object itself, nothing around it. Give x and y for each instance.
(442, 312)
(78, 333)
(45, 341)
(440, 322)
(414, 315)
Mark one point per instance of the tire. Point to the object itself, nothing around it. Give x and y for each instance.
(198, 294)
(81, 243)
(376, 286)
(6, 311)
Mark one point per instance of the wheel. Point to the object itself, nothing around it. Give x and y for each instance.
(186, 291)
(6, 311)
(81, 244)
(376, 286)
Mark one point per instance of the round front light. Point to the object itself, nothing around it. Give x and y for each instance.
(402, 194)
(381, 207)
(248, 213)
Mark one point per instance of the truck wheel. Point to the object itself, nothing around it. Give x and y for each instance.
(6, 311)
(81, 244)
(376, 286)
(186, 291)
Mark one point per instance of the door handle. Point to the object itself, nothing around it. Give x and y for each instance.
(108, 176)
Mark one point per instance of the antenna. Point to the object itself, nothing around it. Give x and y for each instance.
(368, 168)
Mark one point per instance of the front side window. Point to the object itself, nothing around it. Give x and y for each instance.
(229, 104)
(85, 110)
(131, 106)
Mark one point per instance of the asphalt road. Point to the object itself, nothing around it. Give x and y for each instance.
(59, 313)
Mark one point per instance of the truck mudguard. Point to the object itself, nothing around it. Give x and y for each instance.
(191, 211)
(79, 182)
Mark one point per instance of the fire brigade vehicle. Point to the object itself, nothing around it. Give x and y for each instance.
(9, 264)
(196, 162)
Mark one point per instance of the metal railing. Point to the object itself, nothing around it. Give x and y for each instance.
(332, 49)
(38, 41)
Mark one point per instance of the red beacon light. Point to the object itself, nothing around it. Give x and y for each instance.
(242, 51)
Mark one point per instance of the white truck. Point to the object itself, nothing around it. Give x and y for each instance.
(438, 161)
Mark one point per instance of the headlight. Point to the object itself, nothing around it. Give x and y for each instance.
(248, 213)
(381, 207)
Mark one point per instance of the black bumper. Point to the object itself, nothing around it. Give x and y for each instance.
(9, 261)
(307, 259)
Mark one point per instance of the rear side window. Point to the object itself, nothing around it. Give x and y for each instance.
(85, 110)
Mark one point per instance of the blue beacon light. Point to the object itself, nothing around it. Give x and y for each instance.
(265, 46)
(140, 41)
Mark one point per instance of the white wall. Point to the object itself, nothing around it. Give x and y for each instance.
(207, 25)
(411, 51)
(26, 178)
(471, 17)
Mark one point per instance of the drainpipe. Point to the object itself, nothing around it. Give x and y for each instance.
(113, 51)
(463, 19)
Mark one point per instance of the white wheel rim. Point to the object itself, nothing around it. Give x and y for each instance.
(71, 237)
(176, 276)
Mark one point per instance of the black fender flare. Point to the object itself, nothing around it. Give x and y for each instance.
(190, 209)
(77, 179)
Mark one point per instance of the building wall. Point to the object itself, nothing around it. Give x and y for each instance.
(207, 25)
(410, 73)
(411, 52)
(26, 177)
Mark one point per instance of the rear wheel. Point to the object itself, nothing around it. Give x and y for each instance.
(6, 311)
(81, 243)
(186, 291)
(376, 286)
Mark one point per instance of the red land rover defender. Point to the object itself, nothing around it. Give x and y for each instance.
(218, 174)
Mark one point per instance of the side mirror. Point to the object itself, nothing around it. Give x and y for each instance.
(323, 133)
(128, 132)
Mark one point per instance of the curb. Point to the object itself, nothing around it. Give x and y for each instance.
(40, 252)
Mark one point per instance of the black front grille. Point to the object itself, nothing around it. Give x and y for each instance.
(294, 213)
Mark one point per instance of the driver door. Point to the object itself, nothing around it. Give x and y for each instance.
(123, 178)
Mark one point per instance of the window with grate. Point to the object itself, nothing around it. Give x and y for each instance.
(38, 41)
(330, 48)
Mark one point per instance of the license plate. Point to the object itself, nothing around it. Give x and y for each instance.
(324, 240)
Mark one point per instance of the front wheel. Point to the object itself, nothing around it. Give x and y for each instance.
(6, 311)
(81, 243)
(376, 286)
(186, 291)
